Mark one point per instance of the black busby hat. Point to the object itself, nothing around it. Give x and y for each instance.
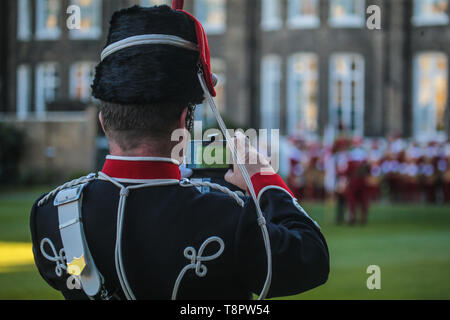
(151, 73)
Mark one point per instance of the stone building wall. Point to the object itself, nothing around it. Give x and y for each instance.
(59, 147)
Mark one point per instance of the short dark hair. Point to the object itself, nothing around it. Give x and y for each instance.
(130, 125)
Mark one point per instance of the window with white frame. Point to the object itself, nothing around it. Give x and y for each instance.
(270, 92)
(91, 19)
(303, 13)
(23, 91)
(47, 86)
(430, 94)
(81, 77)
(151, 3)
(347, 13)
(303, 109)
(347, 92)
(212, 14)
(430, 12)
(271, 15)
(203, 112)
(23, 20)
(48, 13)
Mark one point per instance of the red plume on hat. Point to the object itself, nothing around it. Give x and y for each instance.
(177, 4)
(203, 47)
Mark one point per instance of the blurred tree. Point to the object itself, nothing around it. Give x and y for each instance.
(11, 150)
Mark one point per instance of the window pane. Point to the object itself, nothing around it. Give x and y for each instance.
(303, 13)
(430, 95)
(303, 107)
(91, 16)
(347, 92)
(270, 92)
(47, 85)
(81, 77)
(271, 14)
(23, 91)
(430, 12)
(48, 13)
(347, 13)
(212, 14)
(23, 20)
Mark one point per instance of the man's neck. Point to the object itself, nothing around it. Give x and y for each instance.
(143, 151)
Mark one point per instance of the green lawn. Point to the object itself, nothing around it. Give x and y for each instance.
(411, 245)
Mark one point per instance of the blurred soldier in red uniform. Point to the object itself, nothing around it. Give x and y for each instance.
(390, 167)
(429, 173)
(313, 176)
(341, 162)
(410, 174)
(356, 191)
(374, 177)
(296, 178)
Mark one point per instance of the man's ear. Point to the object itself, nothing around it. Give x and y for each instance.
(182, 121)
(100, 118)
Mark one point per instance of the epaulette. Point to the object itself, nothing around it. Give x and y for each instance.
(73, 183)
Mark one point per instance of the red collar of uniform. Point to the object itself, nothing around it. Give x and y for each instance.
(141, 168)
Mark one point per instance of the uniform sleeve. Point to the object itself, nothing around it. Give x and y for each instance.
(300, 257)
(35, 245)
(46, 268)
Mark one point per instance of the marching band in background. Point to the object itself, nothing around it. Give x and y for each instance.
(358, 171)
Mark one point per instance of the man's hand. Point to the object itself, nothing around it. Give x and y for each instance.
(254, 162)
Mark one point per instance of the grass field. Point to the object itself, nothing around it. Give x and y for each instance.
(411, 245)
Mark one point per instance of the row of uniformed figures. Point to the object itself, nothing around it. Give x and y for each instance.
(397, 169)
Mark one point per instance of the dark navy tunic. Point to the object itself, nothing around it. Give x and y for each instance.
(161, 222)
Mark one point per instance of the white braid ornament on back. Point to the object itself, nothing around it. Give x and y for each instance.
(124, 193)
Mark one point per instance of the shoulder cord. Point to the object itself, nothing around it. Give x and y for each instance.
(234, 195)
(124, 192)
(248, 182)
(67, 185)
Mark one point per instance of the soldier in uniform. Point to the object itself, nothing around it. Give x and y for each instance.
(296, 177)
(410, 171)
(374, 177)
(136, 230)
(429, 173)
(356, 190)
(341, 162)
